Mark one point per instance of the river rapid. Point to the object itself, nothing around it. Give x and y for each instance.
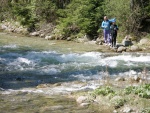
(27, 62)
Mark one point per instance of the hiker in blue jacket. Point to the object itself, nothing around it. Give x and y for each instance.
(106, 30)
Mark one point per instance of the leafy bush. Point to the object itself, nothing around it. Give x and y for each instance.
(104, 91)
(81, 17)
(142, 91)
(24, 14)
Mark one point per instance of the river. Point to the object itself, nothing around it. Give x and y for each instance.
(26, 62)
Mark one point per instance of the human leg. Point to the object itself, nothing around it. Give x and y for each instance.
(109, 37)
(115, 41)
(105, 35)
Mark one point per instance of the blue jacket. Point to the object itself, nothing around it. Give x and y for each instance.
(106, 25)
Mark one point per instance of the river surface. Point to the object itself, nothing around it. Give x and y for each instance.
(26, 62)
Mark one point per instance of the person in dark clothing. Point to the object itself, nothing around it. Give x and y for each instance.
(113, 33)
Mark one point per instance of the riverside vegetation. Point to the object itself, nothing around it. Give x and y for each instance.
(73, 19)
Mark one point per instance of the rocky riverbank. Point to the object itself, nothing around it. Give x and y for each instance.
(48, 32)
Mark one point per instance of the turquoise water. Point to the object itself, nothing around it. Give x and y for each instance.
(26, 63)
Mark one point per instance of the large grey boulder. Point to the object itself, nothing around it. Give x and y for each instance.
(135, 48)
(144, 41)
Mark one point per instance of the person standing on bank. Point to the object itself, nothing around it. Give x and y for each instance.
(113, 33)
(106, 30)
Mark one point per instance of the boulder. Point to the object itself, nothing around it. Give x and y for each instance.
(49, 37)
(34, 34)
(126, 110)
(120, 79)
(144, 41)
(42, 35)
(69, 39)
(121, 49)
(135, 48)
(84, 104)
(82, 99)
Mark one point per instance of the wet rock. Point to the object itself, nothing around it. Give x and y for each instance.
(84, 104)
(115, 111)
(82, 99)
(135, 48)
(69, 39)
(120, 79)
(121, 49)
(57, 84)
(135, 78)
(42, 35)
(34, 34)
(144, 41)
(1, 89)
(48, 37)
(42, 86)
(126, 110)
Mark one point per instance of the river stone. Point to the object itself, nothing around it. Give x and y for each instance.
(126, 110)
(144, 41)
(84, 104)
(121, 49)
(120, 79)
(82, 99)
(48, 37)
(34, 34)
(42, 35)
(69, 39)
(135, 48)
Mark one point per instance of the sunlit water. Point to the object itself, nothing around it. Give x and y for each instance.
(21, 66)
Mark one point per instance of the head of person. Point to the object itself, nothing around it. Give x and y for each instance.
(114, 22)
(105, 18)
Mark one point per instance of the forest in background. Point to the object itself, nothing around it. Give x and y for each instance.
(75, 18)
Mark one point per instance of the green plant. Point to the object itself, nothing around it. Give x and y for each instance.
(119, 102)
(142, 91)
(104, 91)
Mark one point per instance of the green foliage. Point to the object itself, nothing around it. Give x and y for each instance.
(46, 10)
(74, 18)
(119, 9)
(142, 91)
(146, 110)
(119, 102)
(24, 13)
(104, 91)
(81, 17)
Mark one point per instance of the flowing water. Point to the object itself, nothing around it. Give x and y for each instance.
(26, 62)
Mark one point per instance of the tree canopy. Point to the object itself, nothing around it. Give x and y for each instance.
(77, 17)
